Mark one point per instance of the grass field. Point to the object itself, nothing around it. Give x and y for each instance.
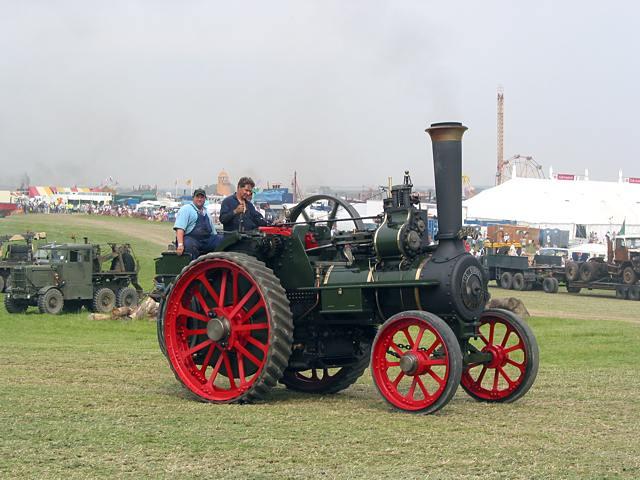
(85, 399)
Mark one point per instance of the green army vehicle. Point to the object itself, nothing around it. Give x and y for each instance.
(66, 277)
(16, 250)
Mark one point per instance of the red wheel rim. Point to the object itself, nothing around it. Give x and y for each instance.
(422, 378)
(499, 378)
(217, 330)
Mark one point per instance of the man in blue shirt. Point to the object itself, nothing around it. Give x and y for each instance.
(195, 232)
(237, 213)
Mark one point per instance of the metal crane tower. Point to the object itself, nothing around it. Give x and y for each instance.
(500, 165)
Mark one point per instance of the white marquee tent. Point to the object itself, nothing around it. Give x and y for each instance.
(600, 207)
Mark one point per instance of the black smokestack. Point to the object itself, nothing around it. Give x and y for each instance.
(447, 164)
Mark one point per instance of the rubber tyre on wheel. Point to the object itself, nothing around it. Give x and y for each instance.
(227, 328)
(506, 280)
(323, 381)
(518, 282)
(622, 292)
(572, 271)
(515, 358)
(550, 285)
(571, 289)
(72, 306)
(127, 297)
(429, 364)
(104, 300)
(51, 302)
(15, 306)
(634, 293)
(588, 271)
(2, 283)
(629, 276)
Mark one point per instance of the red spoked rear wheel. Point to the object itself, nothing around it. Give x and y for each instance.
(227, 328)
(514, 358)
(416, 362)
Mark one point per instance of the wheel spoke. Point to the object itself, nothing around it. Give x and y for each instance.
(506, 337)
(250, 326)
(481, 376)
(209, 288)
(241, 374)
(396, 348)
(191, 314)
(518, 346)
(435, 376)
(520, 366)
(495, 381)
(412, 388)
(418, 339)
(483, 338)
(198, 347)
(422, 386)
(247, 316)
(250, 356)
(223, 288)
(332, 215)
(215, 371)
(393, 364)
(408, 337)
(398, 378)
(437, 361)
(201, 300)
(492, 327)
(257, 343)
(199, 331)
(433, 346)
(505, 376)
(241, 303)
(205, 364)
(227, 366)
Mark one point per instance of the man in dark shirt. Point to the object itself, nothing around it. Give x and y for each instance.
(237, 213)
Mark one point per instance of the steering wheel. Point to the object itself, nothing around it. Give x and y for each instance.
(334, 203)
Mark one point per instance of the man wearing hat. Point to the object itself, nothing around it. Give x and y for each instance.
(195, 232)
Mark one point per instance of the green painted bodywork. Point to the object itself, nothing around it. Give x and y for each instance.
(74, 269)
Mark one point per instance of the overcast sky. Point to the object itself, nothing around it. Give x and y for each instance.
(341, 91)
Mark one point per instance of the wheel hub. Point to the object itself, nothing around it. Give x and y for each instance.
(414, 363)
(218, 329)
(498, 356)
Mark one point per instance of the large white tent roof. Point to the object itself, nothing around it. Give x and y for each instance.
(542, 201)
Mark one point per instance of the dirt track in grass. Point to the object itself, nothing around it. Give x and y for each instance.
(141, 230)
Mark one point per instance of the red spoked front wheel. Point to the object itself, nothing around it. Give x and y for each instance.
(514, 358)
(416, 362)
(227, 328)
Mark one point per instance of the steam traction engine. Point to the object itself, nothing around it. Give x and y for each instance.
(312, 307)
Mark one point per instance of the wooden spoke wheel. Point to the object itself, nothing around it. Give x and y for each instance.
(416, 362)
(514, 358)
(227, 328)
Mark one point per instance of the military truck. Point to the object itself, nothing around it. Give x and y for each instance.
(16, 250)
(66, 277)
(619, 271)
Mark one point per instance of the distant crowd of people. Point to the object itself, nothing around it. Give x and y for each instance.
(159, 214)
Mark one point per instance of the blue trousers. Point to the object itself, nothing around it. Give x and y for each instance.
(196, 247)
